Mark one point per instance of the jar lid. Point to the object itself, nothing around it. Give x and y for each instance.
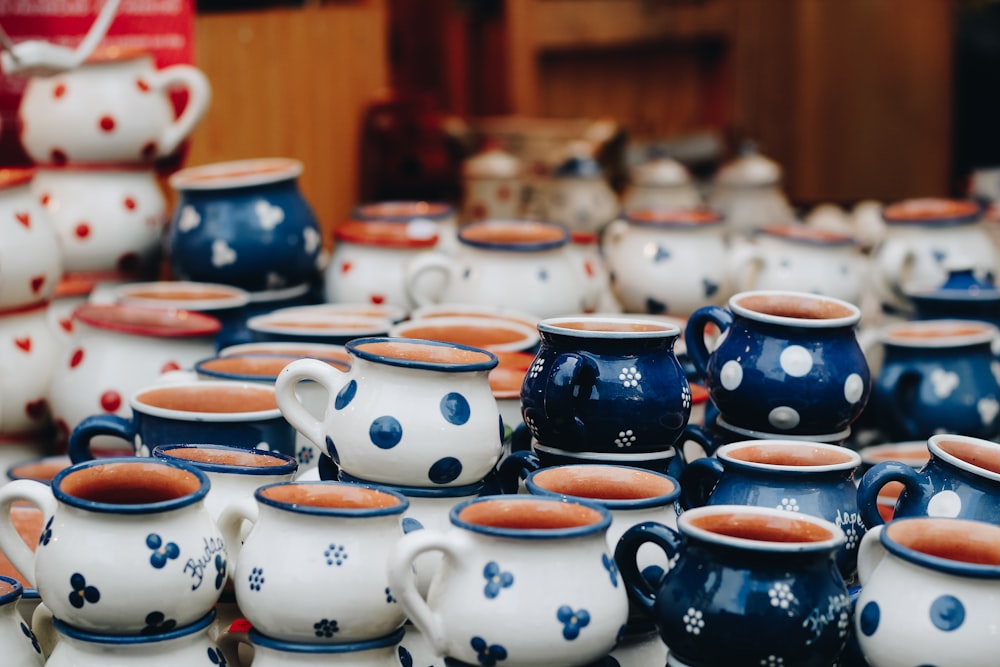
(492, 162)
(661, 172)
(750, 169)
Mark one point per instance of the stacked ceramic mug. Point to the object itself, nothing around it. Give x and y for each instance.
(95, 133)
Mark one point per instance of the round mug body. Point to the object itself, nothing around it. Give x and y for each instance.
(169, 560)
(20, 645)
(606, 385)
(243, 223)
(409, 412)
(28, 352)
(788, 363)
(31, 262)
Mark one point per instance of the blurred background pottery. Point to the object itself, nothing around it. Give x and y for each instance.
(30, 259)
(577, 195)
(493, 334)
(660, 183)
(29, 351)
(493, 186)
(424, 219)
(748, 191)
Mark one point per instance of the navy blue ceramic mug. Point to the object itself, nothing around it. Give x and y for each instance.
(746, 586)
(788, 363)
(961, 479)
(606, 385)
(239, 414)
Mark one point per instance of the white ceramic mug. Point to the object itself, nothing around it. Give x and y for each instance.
(28, 355)
(20, 646)
(270, 652)
(166, 558)
(525, 580)
(30, 259)
(312, 569)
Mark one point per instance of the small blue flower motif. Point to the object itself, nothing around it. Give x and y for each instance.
(220, 571)
(162, 552)
(573, 621)
(256, 578)
(31, 635)
(487, 654)
(82, 592)
(46, 535)
(405, 659)
(305, 455)
(335, 554)
(388, 596)
(215, 657)
(496, 579)
(157, 623)
(325, 628)
(612, 567)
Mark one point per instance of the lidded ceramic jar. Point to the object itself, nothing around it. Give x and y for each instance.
(748, 191)
(493, 185)
(660, 183)
(578, 195)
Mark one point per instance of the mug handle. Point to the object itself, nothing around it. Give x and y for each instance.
(421, 264)
(229, 643)
(872, 482)
(93, 426)
(199, 93)
(514, 468)
(295, 413)
(44, 630)
(230, 523)
(747, 262)
(698, 480)
(893, 264)
(570, 372)
(870, 553)
(403, 582)
(904, 383)
(614, 232)
(21, 556)
(694, 333)
(639, 588)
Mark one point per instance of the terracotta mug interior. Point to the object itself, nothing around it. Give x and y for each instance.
(129, 483)
(518, 514)
(958, 540)
(254, 365)
(222, 398)
(596, 482)
(760, 527)
(794, 306)
(40, 470)
(6, 587)
(612, 326)
(222, 456)
(420, 352)
(485, 335)
(329, 496)
(513, 233)
(980, 455)
(791, 455)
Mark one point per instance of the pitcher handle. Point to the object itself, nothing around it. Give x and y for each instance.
(877, 477)
(199, 93)
(78, 447)
(294, 412)
(694, 333)
(21, 556)
(870, 553)
(514, 468)
(230, 524)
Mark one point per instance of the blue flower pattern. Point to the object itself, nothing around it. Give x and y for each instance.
(157, 622)
(612, 567)
(31, 635)
(216, 658)
(496, 579)
(405, 659)
(46, 535)
(573, 621)
(162, 551)
(487, 654)
(82, 592)
(220, 571)
(325, 628)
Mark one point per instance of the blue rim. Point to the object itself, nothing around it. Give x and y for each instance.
(288, 464)
(346, 512)
(258, 639)
(38, 460)
(353, 347)
(199, 366)
(473, 489)
(973, 570)
(556, 326)
(127, 640)
(944, 221)
(515, 247)
(526, 533)
(358, 211)
(14, 594)
(143, 508)
(612, 504)
(676, 222)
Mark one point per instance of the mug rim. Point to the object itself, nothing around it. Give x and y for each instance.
(555, 325)
(199, 366)
(684, 524)
(646, 502)
(354, 349)
(528, 335)
(513, 246)
(828, 438)
(852, 463)
(211, 417)
(131, 640)
(436, 210)
(979, 333)
(118, 508)
(258, 639)
(939, 563)
(402, 503)
(236, 297)
(609, 457)
(16, 593)
(934, 447)
(287, 466)
(828, 323)
(156, 322)
(236, 174)
(599, 526)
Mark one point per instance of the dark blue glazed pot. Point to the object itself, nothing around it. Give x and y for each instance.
(788, 363)
(938, 376)
(961, 479)
(747, 586)
(795, 476)
(606, 385)
(243, 223)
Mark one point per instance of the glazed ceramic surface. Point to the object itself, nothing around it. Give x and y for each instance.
(28, 353)
(20, 645)
(672, 261)
(492, 186)
(578, 196)
(421, 217)
(31, 262)
(660, 183)
(243, 223)
(788, 363)
(606, 385)
(409, 412)
(748, 190)
(378, 652)
(528, 581)
(498, 335)
(169, 560)
(745, 586)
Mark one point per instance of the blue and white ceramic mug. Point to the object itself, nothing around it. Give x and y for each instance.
(241, 414)
(409, 412)
(269, 652)
(788, 363)
(961, 479)
(746, 586)
(606, 385)
(168, 561)
(20, 645)
(526, 580)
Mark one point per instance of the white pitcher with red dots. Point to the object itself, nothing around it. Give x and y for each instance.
(116, 107)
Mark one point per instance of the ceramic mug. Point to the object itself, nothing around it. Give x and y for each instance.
(312, 569)
(40, 469)
(493, 334)
(270, 652)
(791, 608)
(30, 259)
(788, 363)
(115, 107)
(928, 593)
(424, 217)
(796, 476)
(295, 326)
(606, 385)
(212, 412)
(409, 412)
(961, 479)
(169, 561)
(525, 580)
(21, 648)
(29, 349)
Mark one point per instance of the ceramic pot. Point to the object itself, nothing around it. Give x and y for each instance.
(493, 187)
(748, 191)
(30, 259)
(21, 648)
(28, 352)
(578, 196)
(422, 219)
(660, 183)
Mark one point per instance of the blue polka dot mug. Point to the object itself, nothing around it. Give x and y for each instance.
(606, 385)
(961, 479)
(744, 586)
(525, 581)
(409, 412)
(929, 589)
(787, 363)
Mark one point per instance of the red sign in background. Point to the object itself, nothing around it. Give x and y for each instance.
(165, 28)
